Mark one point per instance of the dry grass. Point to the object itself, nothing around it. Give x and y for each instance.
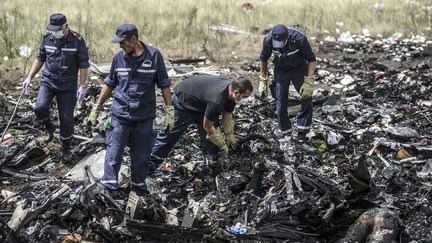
(181, 28)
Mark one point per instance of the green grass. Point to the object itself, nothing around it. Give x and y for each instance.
(181, 28)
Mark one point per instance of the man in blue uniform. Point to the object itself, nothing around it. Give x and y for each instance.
(201, 100)
(135, 70)
(293, 62)
(64, 52)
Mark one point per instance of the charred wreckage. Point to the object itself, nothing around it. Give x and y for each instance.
(363, 174)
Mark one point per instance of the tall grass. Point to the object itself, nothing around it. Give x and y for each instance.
(181, 28)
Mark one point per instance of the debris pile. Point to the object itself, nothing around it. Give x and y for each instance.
(363, 174)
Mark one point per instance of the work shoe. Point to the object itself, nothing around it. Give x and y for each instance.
(285, 139)
(284, 136)
(140, 191)
(119, 193)
(49, 132)
(301, 137)
(67, 155)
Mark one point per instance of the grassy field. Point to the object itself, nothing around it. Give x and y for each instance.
(183, 28)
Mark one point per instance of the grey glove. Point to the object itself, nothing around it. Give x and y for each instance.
(169, 118)
(307, 88)
(218, 139)
(263, 87)
(94, 114)
(228, 127)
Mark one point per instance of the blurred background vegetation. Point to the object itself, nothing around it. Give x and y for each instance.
(186, 28)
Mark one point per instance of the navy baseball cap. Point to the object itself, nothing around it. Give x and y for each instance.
(57, 20)
(124, 31)
(279, 35)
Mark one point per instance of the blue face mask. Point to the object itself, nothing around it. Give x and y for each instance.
(285, 43)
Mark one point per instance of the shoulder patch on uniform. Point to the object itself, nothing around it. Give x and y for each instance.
(76, 34)
(296, 36)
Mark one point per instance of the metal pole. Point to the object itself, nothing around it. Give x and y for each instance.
(13, 114)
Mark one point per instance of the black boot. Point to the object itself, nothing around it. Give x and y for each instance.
(49, 132)
(67, 155)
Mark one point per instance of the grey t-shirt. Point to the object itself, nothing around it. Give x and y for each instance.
(205, 93)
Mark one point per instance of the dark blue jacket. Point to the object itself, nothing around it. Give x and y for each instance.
(293, 56)
(63, 58)
(134, 81)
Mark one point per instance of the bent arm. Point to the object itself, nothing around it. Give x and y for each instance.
(105, 93)
(83, 76)
(209, 126)
(263, 68)
(166, 94)
(36, 66)
(311, 68)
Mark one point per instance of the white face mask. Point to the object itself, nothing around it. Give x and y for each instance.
(58, 34)
(238, 97)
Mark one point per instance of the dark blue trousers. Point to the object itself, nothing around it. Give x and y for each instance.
(138, 136)
(281, 82)
(183, 119)
(66, 101)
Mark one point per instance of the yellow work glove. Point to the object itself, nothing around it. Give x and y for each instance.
(307, 88)
(94, 114)
(228, 127)
(218, 139)
(263, 87)
(169, 118)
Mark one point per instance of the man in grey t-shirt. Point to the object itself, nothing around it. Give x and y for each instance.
(201, 99)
